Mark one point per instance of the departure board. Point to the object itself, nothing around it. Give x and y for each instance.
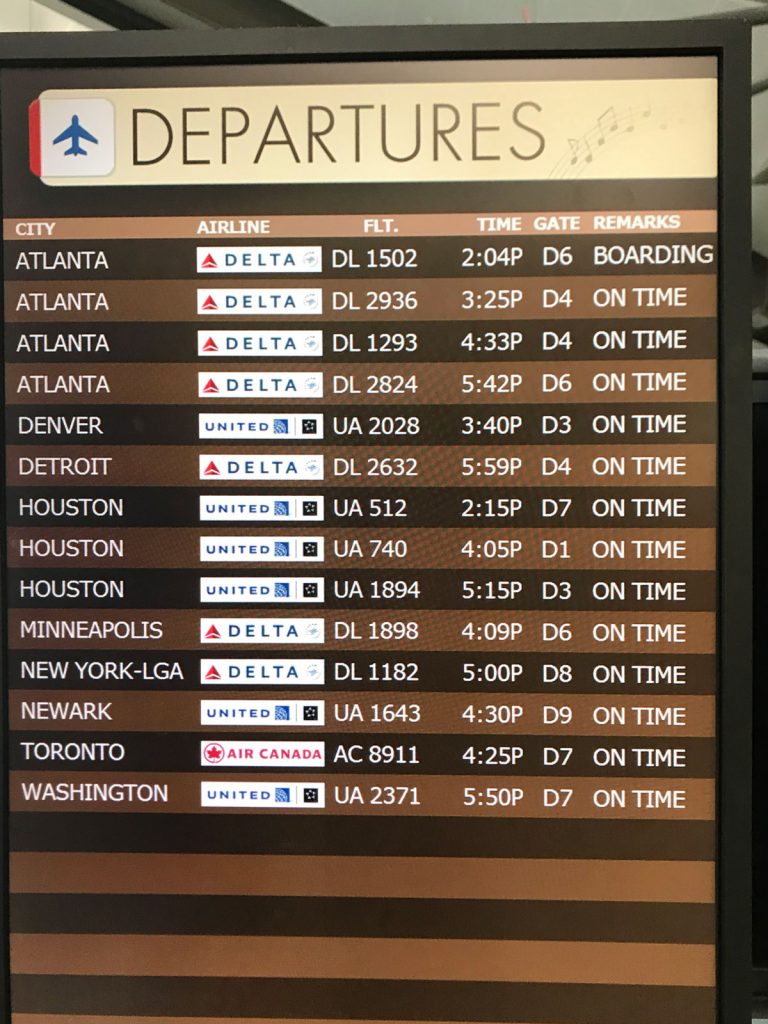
(363, 438)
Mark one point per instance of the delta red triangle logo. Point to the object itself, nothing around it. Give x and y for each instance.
(213, 672)
(210, 303)
(212, 633)
(210, 346)
(209, 261)
(211, 469)
(211, 388)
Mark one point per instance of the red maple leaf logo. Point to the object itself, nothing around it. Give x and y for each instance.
(213, 753)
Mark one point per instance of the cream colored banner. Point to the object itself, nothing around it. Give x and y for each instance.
(469, 131)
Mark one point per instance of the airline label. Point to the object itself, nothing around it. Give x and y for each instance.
(262, 712)
(259, 343)
(259, 301)
(260, 385)
(261, 508)
(269, 427)
(261, 467)
(261, 631)
(261, 589)
(262, 672)
(262, 753)
(262, 549)
(259, 259)
(258, 794)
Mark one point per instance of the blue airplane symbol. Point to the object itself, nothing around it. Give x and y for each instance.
(75, 132)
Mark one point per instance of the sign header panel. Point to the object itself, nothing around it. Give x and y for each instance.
(417, 131)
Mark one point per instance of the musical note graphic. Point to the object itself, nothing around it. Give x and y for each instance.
(577, 145)
(608, 128)
(607, 123)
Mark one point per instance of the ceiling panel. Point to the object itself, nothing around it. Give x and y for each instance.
(412, 12)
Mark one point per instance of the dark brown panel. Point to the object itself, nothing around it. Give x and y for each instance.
(425, 1001)
(427, 877)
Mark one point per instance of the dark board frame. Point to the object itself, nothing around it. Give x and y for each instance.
(729, 41)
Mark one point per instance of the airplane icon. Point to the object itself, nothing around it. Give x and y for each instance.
(75, 133)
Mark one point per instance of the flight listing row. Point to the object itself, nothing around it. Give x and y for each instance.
(451, 256)
(508, 339)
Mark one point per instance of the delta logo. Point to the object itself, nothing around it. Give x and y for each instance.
(261, 467)
(71, 138)
(259, 344)
(262, 671)
(260, 301)
(259, 259)
(271, 631)
(260, 385)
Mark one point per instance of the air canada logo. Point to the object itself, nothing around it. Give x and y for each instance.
(263, 753)
(71, 138)
(213, 753)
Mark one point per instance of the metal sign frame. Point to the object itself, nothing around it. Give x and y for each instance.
(729, 41)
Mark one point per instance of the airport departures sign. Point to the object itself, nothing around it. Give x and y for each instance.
(362, 446)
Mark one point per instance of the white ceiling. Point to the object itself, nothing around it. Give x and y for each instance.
(411, 12)
(760, 140)
(444, 12)
(47, 16)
